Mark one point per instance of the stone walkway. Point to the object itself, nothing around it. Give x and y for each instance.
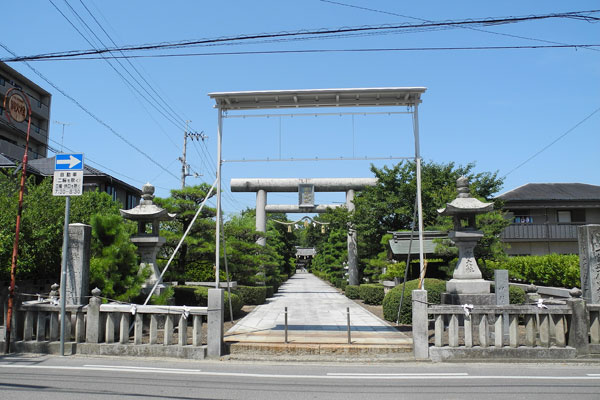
(316, 315)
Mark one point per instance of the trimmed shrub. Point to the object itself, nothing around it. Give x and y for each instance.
(344, 284)
(352, 292)
(548, 270)
(371, 293)
(198, 296)
(270, 291)
(254, 295)
(434, 287)
(516, 295)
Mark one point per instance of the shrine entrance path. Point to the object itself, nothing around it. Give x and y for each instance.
(316, 315)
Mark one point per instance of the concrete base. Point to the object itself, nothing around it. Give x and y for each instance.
(146, 350)
(438, 354)
(475, 299)
(468, 286)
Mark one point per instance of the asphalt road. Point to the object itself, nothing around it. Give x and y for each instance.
(65, 378)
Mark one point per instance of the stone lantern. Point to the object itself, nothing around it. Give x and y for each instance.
(148, 216)
(466, 285)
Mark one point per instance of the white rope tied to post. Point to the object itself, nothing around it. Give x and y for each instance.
(467, 309)
(186, 312)
(133, 309)
(540, 303)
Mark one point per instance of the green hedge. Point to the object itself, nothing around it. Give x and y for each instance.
(434, 287)
(549, 270)
(254, 295)
(516, 295)
(371, 293)
(198, 296)
(270, 291)
(352, 292)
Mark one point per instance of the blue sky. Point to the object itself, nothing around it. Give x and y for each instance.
(496, 108)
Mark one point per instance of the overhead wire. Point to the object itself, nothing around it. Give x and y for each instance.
(577, 15)
(426, 20)
(91, 114)
(552, 142)
(130, 85)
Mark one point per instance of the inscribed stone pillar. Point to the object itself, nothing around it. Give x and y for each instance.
(352, 250)
(78, 264)
(502, 295)
(589, 262)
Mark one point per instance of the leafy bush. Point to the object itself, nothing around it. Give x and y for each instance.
(371, 293)
(198, 296)
(548, 270)
(254, 295)
(434, 287)
(516, 295)
(344, 284)
(270, 291)
(352, 292)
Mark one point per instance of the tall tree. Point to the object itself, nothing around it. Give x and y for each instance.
(195, 259)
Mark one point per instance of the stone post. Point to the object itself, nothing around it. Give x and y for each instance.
(502, 295)
(420, 324)
(78, 263)
(579, 329)
(352, 249)
(92, 329)
(216, 317)
(589, 262)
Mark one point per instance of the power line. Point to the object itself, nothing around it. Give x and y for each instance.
(94, 116)
(553, 142)
(577, 15)
(107, 59)
(307, 51)
(426, 20)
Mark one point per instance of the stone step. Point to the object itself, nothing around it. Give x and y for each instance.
(322, 352)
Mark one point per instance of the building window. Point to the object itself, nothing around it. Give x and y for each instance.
(132, 201)
(110, 189)
(563, 217)
(523, 219)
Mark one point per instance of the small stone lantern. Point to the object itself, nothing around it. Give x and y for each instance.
(148, 216)
(466, 285)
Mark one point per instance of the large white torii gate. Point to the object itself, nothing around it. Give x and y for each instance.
(316, 98)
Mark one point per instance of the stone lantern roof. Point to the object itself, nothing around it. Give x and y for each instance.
(464, 204)
(147, 212)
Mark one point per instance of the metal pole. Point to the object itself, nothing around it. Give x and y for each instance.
(13, 265)
(218, 227)
(348, 314)
(286, 325)
(183, 158)
(419, 200)
(63, 276)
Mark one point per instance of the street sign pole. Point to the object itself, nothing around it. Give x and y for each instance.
(68, 181)
(63, 276)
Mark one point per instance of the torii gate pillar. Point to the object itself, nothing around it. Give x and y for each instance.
(352, 249)
(261, 215)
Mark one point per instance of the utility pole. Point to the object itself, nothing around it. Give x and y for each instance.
(185, 167)
(62, 137)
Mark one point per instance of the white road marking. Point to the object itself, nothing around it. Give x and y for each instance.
(399, 375)
(141, 368)
(284, 376)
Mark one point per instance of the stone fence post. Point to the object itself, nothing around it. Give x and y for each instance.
(420, 324)
(92, 329)
(579, 329)
(216, 317)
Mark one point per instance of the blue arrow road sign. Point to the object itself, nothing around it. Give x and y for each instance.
(69, 162)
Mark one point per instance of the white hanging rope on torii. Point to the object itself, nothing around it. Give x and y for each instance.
(317, 98)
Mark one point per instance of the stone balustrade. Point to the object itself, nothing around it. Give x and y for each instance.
(552, 330)
(120, 329)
